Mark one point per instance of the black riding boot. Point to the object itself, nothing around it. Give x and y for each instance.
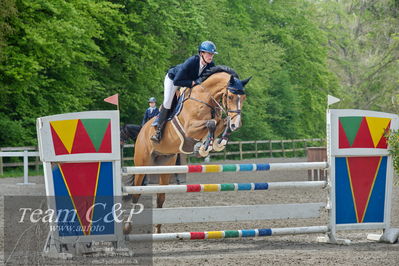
(163, 115)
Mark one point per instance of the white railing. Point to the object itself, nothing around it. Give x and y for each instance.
(16, 152)
(261, 148)
(257, 148)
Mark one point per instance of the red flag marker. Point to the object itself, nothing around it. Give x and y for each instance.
(112, 99)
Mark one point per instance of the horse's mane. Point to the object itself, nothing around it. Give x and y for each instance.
(218, 69)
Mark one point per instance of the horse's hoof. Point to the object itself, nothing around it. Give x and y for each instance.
(203, 152)
(157, 229)
(127, 228)
(196, 149)
(219, 146)
(126, 198)
(210, 147)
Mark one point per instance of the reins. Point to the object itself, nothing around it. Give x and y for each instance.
(213, 109)
(219, 106)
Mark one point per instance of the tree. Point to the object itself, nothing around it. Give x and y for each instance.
(65, 56)
(364, 51)
(7, 11)
(281, 45)
(46, 65)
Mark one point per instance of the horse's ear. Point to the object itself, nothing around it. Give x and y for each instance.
(245, 81)
(231, 82)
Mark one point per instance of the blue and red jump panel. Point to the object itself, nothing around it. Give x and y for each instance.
(360, 189)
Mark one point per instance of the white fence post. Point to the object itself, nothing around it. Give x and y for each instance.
(15, 152)
(26, 170)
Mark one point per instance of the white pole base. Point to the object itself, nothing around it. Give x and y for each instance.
(338, 241)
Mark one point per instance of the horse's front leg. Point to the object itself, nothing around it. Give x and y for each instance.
(220, 143)
(208, 144)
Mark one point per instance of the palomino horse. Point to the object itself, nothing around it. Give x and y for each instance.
(200, 119)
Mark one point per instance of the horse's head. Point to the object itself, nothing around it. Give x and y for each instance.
(233, 101)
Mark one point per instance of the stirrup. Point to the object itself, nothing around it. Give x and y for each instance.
(157, 137)
(156, 121)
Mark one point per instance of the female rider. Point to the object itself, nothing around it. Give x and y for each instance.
(183, 75)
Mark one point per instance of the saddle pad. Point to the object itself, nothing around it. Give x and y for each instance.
(186, 143)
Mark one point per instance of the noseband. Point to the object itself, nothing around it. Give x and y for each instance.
(237, 111)
(224, 106)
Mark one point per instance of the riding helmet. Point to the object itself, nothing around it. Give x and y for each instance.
(207, 46)
(152, 100)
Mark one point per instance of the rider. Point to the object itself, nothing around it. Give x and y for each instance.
(183, 75)
(131, 130)
(151, 111)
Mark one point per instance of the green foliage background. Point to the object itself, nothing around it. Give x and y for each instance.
(393, 142)
(63, 56)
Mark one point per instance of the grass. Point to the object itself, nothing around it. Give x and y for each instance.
(18, 172)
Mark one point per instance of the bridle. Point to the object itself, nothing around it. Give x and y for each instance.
(223, 107)
(237, 111)
(213, 110)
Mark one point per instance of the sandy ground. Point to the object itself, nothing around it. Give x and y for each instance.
(276, 250)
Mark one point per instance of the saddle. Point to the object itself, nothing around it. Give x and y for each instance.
(175, 109)
(186, 143)
(177, 104)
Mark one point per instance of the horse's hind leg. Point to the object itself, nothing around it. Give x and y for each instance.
(163, 180)
(143, 160)
(138, 181)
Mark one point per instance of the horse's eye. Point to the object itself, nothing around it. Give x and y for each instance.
(230, 97)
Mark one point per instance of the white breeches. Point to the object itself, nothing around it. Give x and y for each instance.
(169, 92)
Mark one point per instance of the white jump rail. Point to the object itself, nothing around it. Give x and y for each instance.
(221, 168)
(228, 234)
(233, 187)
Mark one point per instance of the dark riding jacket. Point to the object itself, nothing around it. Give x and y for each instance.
(148, 114)
(184, 74)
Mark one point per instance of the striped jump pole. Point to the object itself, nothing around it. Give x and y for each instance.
(230, 187)
(217, 168)
(228, 234)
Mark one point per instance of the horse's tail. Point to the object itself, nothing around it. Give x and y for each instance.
(129, 131)
(124, 136)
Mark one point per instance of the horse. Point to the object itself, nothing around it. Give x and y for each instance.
(129, 131)
(201, 118)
